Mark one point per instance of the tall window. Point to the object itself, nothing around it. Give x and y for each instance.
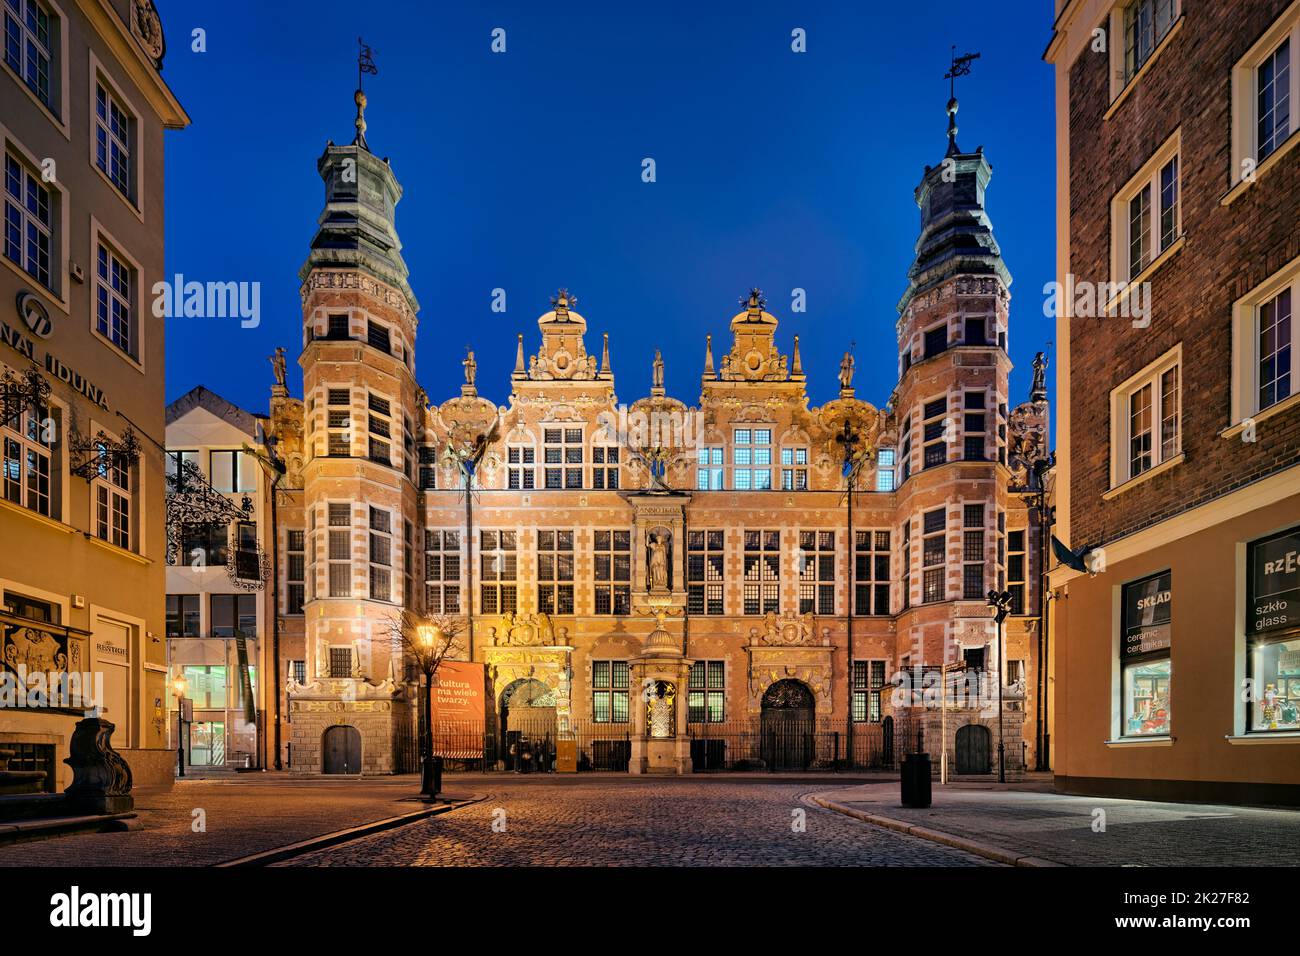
(752, 459)
(708, 473)
(232, 471)
(871, 572)
(1145, 24)
(381, 555)
(339, 422)
(428, 473)
(296, 572)
(381, 424)
(605, 473)
(974, 426)
(340, 549)
(1276, 339)
(933, 546)
(28, 440)
(112, 490)
(906, 451)
(705, 572)
(29, 42)
(972, 569)
(1144, 655)
(555, 572)
(441, 571)
(905, 559)
(377, 336)
(562, 455)
(28, 221)
(1146, 214)
(817, 572)
(1272, 630)
(1153, 422)
(761, 590)
(935, 430)
(706, 693)
(113, 298)
(113, 140)
(499, 572)
(1273, 99)
(613, 572)
(1016, 560)
(609, 692)
(520, 460)
(868, 684)
(885, 459)
(182, 615)
(794, 469)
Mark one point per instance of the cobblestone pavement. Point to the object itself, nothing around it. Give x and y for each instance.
(618, 820)
(243, 815)
(1060, 828)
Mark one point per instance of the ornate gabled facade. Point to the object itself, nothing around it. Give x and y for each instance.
(637, 575)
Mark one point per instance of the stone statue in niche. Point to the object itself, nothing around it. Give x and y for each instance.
(661, 720)
(658, 561)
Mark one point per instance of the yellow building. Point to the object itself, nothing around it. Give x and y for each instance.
(83, 109)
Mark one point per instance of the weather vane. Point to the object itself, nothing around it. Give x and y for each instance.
(960, 66)
(365, 62)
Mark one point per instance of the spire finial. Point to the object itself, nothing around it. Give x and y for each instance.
(604, 354)
(958, 66)
(797, 369)
(365, 64)
(708, 356)
(520, 370)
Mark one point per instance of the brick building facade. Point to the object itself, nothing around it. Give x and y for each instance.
(1180, 439)
(645, 572)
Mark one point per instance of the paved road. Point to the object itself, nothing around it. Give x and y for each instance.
(613, 821)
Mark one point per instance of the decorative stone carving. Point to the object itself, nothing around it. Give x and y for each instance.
(790, 629)
(101, 779)
(661, 705)
(523, 630)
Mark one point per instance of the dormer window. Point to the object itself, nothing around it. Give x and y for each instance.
(752, 459)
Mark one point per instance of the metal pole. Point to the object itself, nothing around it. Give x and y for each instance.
(426, 772)
(1002, 774)
(853, 554)
(943, 745)
(180, 734)
(274, 685)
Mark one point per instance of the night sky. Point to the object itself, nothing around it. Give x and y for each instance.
(522, 171)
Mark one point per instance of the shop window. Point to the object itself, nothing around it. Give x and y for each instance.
(1144, 656)
(1273, 632)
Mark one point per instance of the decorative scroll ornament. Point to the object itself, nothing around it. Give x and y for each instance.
(146, 26)
(192, 501)
(99, 456)
(21, 391)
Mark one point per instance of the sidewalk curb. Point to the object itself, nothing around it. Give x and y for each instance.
(986, 850)
(267, 857)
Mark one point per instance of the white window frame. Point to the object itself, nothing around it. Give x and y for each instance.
(56, 108)
(56, 229)
(1120, 465)
(109, 499)
(750, 449)
(1245, 346)
(18, 432)
(1148, 177)
(1121, 78)
(521, 475)
(1245, 91)
(886, 473)
(709, 468)
(133, 194)
(794, 466)
(134, 354)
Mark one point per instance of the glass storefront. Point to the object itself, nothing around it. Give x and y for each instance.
(1273, 632)
(1146, 698)
(1275, 668)
(1145, 656)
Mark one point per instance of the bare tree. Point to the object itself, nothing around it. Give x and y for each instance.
(428, 640)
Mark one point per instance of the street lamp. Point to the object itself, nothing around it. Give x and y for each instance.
(1000, 601)
(179, 685)
(428, 635)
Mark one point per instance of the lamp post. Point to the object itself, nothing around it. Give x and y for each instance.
(1000, 601)
(428, 635)
(849, 439)
(179, 685)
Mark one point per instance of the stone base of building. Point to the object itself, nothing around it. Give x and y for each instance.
(1183, 791)
(961, 749)
(349, 737)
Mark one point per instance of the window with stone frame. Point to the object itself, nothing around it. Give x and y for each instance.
(794, 469)
(29, 222)
(1016, 563)
(112, 489)
(1146, 23)
(338, 411)
(885, 462)
(1146, 412)
(817, 572)
(868, 685)
(428, 473)
(905, 559)
(562, 457)
(32, 463)
(295, 570)
(115, 294)
(751, 458)
(706, 691)
(708, 473)
(871, 556)
(605, 462)
(380, 429)
(1276, 352)
(612, 574)
(1146, 213)
(609, 692)
(974, 425)
(381, 554)
(114, 138)
(30, 47)
(555, 572)
(342, 661)
(933, 549)
(936, 340)
(441, 571)
(705, 572)
(521, 461)
(379, 337)
(340, 549)
(905, 454)
(935, 425)
(972, 555)
(761, 588)
(498, 572)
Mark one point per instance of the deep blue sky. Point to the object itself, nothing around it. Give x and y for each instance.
(523, 171)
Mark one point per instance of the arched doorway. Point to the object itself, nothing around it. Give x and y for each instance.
(341, 750)
(528, 725)
(973, 746)
(787, 725)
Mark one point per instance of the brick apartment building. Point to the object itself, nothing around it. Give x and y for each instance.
(641, 600)
(1178, 667)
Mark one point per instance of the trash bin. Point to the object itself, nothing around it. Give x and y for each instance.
(916, 780)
